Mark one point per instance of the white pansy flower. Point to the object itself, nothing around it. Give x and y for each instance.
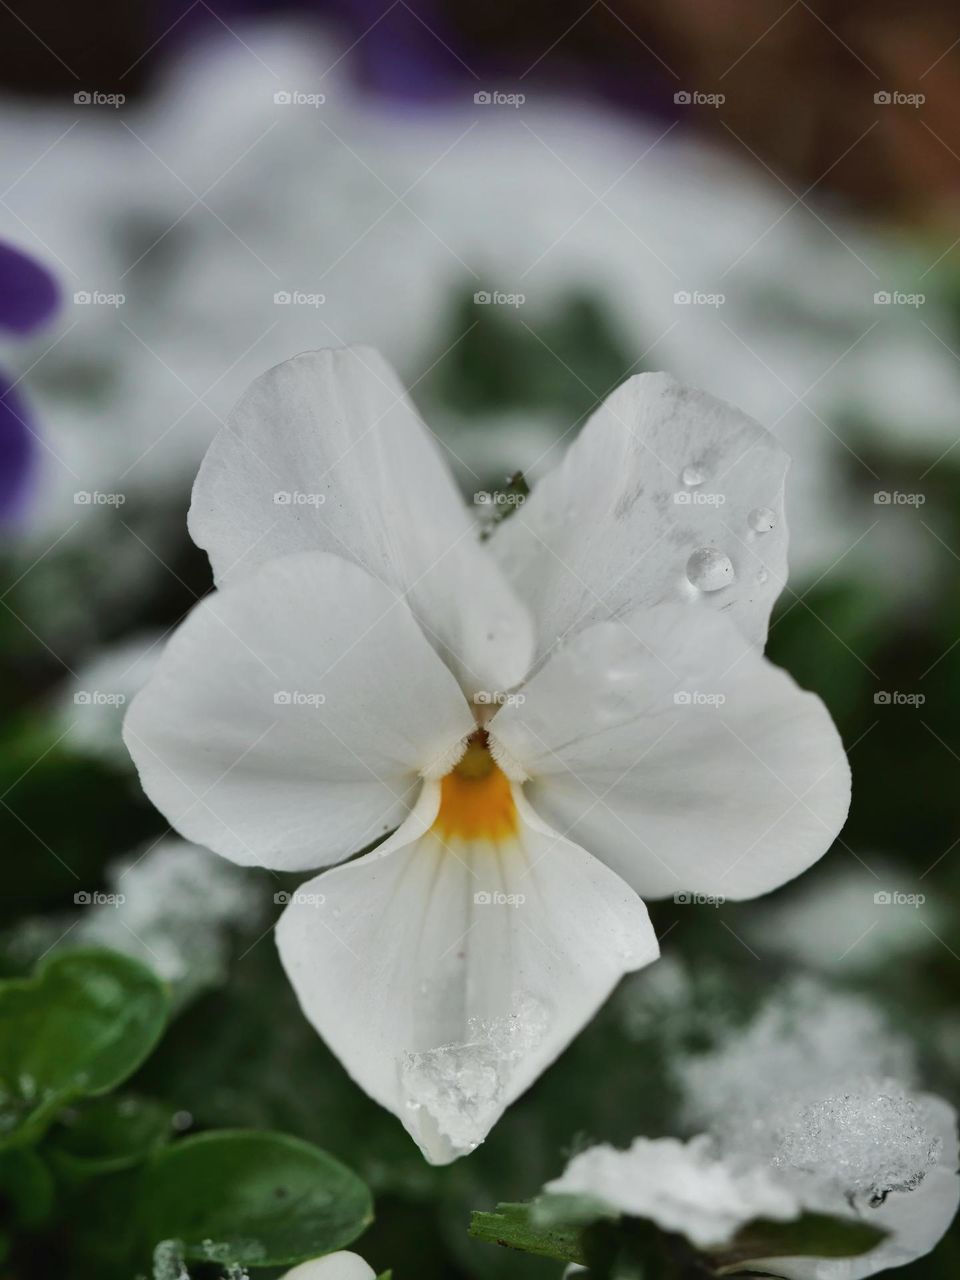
(684, 1187)
(552, 724)
(335, 1266)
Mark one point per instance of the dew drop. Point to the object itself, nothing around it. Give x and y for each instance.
(709, 569)
(762, 575)
(762, 519)
(692, 476)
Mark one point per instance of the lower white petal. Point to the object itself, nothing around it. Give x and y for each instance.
(447, 971)
(916, 1220)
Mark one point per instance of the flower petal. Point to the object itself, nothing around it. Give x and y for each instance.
(916, 1220)
(28, 292)
(665, 487)
(673, 750)
(288, 720)
(326, 452)
(334, 1266)
(447, 976)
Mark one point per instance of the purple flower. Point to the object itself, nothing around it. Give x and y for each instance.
(28, 297)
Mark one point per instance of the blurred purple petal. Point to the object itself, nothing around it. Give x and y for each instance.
(28, 293)
(16, 451)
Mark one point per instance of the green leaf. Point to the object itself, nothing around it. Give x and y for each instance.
(814, 1235)
(26, 1189)
(515, 1227)
(253, 1199)
(78, 1028)
(109, 1135)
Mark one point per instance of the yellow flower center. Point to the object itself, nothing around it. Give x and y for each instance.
(476, 799)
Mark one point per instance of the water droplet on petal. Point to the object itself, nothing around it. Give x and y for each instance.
(709, 569)
(762, 519)
(762, 575)
(692, 476)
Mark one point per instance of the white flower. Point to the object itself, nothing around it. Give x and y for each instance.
(818, 1090)
(550, 723)
(681, 1186)
(914, 1216)
(334, 1266)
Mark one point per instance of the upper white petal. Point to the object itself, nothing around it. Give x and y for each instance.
(615, 525)
(326, 452)
(290, 717)
(671, 748)
(445, 1006)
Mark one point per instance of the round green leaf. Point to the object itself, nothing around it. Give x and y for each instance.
(251, 1198)
(80, 1026)
(108, 1135)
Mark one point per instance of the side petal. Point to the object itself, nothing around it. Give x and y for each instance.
(290, 717)
(673, 750)
(666, 494)
(447, 976)
(326, 452)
